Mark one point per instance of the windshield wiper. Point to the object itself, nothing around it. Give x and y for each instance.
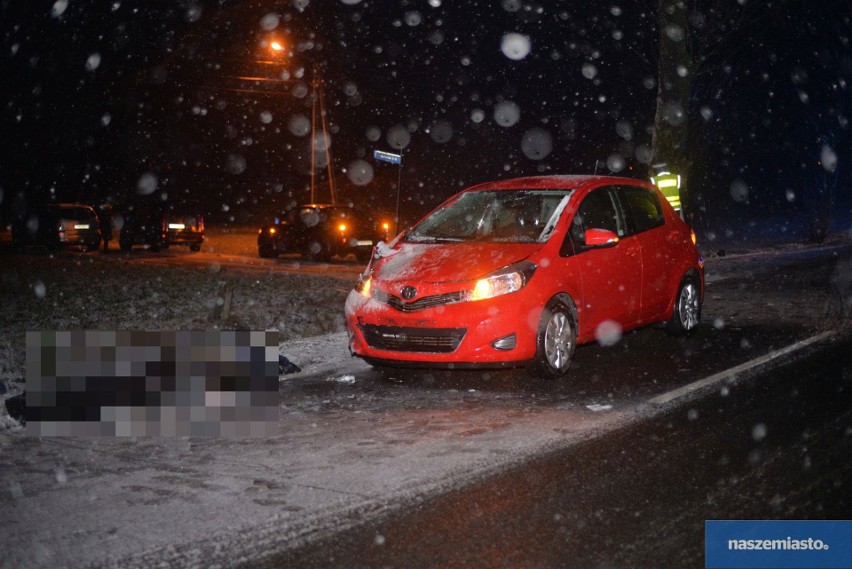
(514, 239)
(430, 239)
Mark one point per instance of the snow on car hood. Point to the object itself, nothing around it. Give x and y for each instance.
(453, 262)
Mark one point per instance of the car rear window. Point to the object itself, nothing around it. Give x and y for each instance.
(76, 213)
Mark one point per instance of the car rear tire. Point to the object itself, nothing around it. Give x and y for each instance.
(687, 309)
(363, 256)
(195, 247)
(317, 250)
(266, 252)
(556, 341)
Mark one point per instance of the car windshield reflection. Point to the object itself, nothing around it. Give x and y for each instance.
(499, 216)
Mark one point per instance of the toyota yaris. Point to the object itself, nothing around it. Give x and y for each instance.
(519, 272)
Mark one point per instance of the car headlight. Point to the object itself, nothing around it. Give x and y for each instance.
(503, 281)
(362, 287)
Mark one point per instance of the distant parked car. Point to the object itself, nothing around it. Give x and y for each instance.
(519, 272)
(320, 231)
(59, 225)
(161, 225)
(185, 226)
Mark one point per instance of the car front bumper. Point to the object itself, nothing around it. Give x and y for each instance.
(498, 331)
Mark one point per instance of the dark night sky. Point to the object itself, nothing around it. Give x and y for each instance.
(102, 97)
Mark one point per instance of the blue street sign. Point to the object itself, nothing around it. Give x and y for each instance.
(387, 157)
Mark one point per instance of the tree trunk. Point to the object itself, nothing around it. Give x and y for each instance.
(674, 88)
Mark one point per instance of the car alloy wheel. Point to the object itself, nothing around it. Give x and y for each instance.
(687, 309)
(556, 341)
(689, 306)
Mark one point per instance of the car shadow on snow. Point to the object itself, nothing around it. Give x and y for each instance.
(642, 364)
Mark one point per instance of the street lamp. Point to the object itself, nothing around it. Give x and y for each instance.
(317, 108)
(391, 158)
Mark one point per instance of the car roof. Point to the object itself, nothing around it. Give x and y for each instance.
(323, 206)
(555, 182)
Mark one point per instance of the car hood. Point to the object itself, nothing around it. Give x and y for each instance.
(453, 262)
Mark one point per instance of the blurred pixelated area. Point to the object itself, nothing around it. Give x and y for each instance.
(152, 383)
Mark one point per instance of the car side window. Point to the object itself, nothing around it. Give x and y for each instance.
(599, 210)
(643, 208)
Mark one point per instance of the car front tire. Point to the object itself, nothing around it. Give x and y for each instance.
(556, 341)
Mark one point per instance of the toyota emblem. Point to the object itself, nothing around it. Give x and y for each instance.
(409, 292)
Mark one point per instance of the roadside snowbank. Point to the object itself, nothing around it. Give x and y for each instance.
(73, 291)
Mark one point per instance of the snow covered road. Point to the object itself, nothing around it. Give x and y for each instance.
(356, 444)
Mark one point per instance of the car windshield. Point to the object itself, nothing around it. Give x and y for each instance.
(523, 216)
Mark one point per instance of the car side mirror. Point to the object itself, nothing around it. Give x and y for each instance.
(600, 238)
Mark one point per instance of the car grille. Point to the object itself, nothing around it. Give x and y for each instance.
(425, 340)
(420, 303)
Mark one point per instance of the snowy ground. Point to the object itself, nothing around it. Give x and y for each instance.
(350, 447)
(72, 291)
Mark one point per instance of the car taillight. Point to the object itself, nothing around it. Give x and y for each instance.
(693, 237)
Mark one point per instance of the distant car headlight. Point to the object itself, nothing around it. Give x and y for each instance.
(504, 281)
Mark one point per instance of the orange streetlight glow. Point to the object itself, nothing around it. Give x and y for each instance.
(276, 46)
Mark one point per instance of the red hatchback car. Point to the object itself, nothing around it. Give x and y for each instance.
(518, 272)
